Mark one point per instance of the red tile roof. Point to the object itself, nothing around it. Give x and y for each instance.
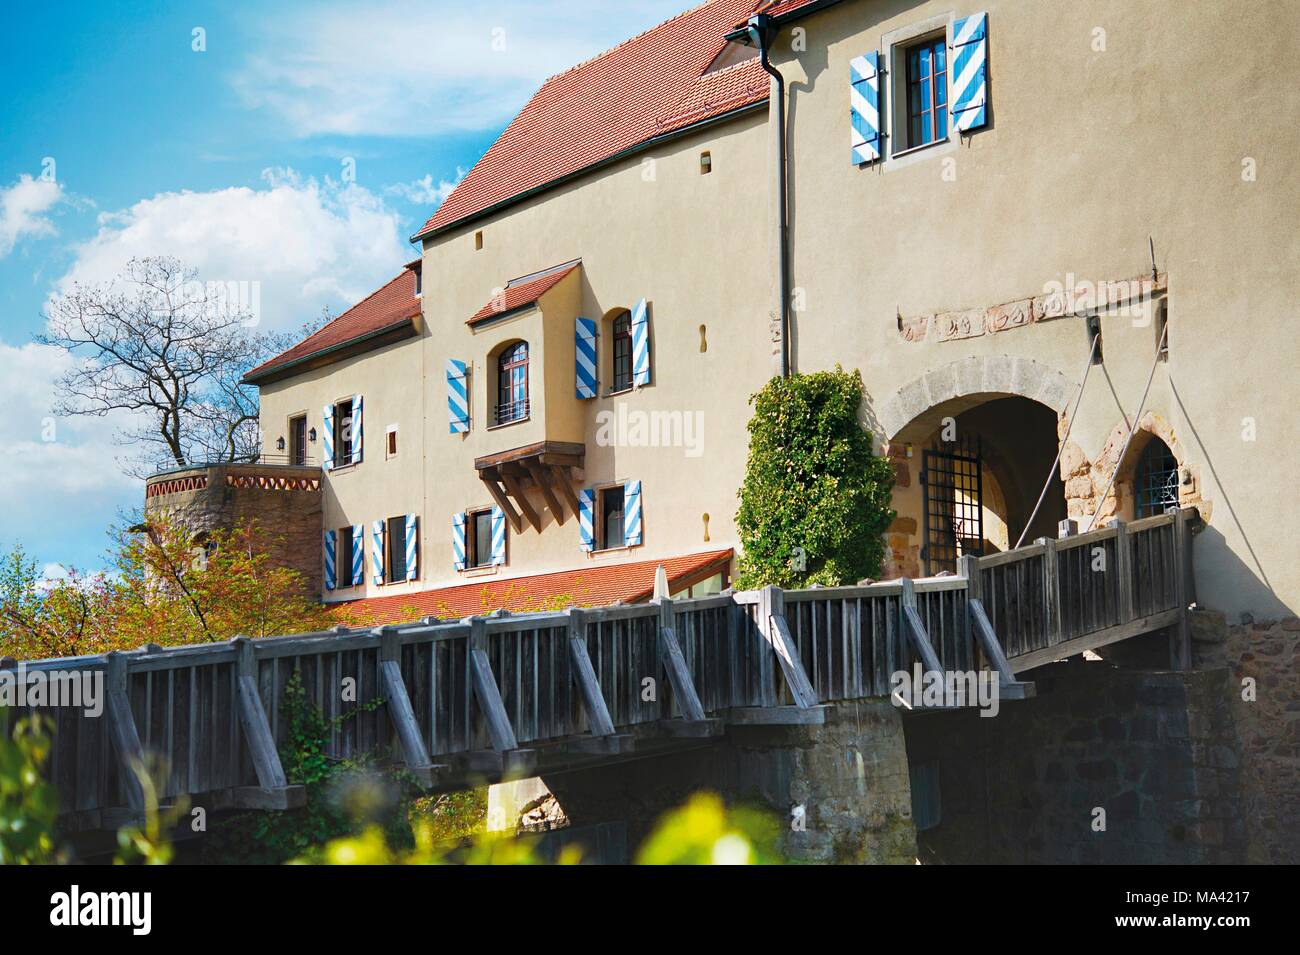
(645, 87)
(517, 296)
(588, 587)
(390, 305)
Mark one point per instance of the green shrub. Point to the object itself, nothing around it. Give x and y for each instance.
(815, 503)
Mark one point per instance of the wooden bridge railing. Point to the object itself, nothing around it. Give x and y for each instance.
(484, 693)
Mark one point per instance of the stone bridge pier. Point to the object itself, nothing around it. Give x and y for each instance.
(839, 787)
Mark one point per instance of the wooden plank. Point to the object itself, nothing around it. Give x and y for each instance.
(914, 629)
(486, 693)
(679, 675)
(517, 492)
(1008, 685)
(252, 718)
(563, 482)
(503, 502)
(1180, 635)
(1052, 611)
(539, 476)
(598, 718)
(1091, 641)
(123, 732)
(400, 711)
(777, 633)
(1123, 568)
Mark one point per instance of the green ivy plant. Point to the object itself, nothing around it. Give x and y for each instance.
(343, 795)
(816, 498)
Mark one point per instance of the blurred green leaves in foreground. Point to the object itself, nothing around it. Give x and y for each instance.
(702, 832)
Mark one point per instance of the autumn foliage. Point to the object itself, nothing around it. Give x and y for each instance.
(163, 587)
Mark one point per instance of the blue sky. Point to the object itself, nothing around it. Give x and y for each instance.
(233, 158)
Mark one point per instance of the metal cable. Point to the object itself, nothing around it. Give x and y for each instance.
(1132, 429)
(1061, 450)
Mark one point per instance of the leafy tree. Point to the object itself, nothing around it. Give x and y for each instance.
(815, 503)
(162, 588)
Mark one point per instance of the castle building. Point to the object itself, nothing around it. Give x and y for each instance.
(559, 384)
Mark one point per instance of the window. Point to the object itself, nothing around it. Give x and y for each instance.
(478, 551)
(622, 352)
(512, 383)
(1157, 480)
(706, 163)
(343, 558)
(610, 504)
(927, 92)
(478, 240)
(390, 441)
(298, 440)
(419, 282)
(395, 546)
(343, 432)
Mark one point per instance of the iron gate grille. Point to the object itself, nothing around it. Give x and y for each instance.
(954, 499)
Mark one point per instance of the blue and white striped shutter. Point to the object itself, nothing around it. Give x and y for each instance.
(412, 548)
(356, 429)
(331, 575)
(358, 554)
(457, 396)
(640, 344)
(586, 512)
(377, 551)
(584, 360)
(498, 536)
(458, 540)
(632, 513)
(969, 52)
(327, 437)
(864, 100)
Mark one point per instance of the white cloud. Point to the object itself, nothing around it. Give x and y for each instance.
(424, 192)
(306, 243)
(22, 211)
(404, 69)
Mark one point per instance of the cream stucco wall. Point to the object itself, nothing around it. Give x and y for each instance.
(1087, 153)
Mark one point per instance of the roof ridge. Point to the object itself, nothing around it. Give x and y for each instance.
(633, 39)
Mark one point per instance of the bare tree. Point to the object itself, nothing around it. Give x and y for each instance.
(170, 349)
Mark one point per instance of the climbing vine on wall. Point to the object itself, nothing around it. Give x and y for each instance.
(815, 502)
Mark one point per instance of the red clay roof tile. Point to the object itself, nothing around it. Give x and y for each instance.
(390, 305)
(647, 86)
(517, 296)
(588, 587)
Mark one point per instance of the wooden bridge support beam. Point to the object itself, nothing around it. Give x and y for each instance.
(674, 661)
(400, 711)
(122, 729)
(915, 629)
(273, 790)
(603, 738)
(777, 633)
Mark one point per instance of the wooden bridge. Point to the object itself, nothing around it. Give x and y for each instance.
(486, 697)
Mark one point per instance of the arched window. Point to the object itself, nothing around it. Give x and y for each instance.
(1156, 481)
(622, 352)
(512, 383)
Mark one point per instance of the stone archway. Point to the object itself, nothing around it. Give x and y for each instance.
(1086, 479)
(976, 378)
